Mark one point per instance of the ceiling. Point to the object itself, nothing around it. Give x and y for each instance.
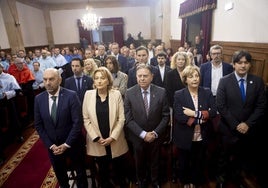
(76, 1)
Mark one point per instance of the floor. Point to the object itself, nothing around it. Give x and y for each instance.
(12, 148)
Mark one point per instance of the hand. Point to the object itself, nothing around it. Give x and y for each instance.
(188, 112)
(58, 150)
(106, 141)
(242, 128)
(149, 137)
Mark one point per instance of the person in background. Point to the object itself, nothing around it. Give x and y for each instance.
(162, 68)
(194, 107)
(101, 54)
(199, 45)
(147, 116)
(25, 97)
(129, 40)
(142, 58)
(9, 114)
(38, 85)
(104, 118)
(79, 82)
(241, 102)
(89, 53)
(119, 78)
(174, 83)
(90, 67)
(212, 71)
(60, 128)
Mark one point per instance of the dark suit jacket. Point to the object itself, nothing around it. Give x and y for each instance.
(123, 64)
(135, 114)
(132, 80)
(68, 123)
(164, 82)
(87, 84)
(183, 133)
(232, 109)
(173, 84)
(101, 59)
(205, 71)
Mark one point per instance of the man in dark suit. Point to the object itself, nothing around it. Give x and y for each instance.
(162, 68)
(101, 56)
(241, 104)
(122, 61)
(213, 70)
(79, 82)
(147, 116)
(61, 131)
(142, 55)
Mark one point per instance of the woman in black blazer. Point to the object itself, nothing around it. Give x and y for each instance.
(194, 107)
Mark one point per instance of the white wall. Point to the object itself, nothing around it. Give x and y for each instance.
(246, 22)
(175, 20)
(4, 43)
(65, 30)
(32, 25)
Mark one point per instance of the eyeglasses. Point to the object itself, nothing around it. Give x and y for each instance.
(215, 53)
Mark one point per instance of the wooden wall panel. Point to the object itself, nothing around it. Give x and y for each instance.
(259, 52)
(175, 44)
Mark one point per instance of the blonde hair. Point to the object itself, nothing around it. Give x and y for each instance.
(175, 57)
(94, 66)
(106, 73)
(189, 71)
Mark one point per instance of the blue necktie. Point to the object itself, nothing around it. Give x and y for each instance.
(242, 89)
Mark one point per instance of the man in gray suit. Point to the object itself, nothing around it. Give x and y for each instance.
(147, 116)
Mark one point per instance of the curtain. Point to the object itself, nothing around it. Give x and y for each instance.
(191, 7)
(183, 31)
(206, 27)
(205, 8)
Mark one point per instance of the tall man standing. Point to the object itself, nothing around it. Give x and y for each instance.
(241, 103)
(58, 121)
(147, 116)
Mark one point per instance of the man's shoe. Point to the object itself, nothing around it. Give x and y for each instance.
(156, 186)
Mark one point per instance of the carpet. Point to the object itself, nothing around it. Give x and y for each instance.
(29, 167)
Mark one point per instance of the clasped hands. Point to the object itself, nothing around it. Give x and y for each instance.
(106, 141)
(150, 137)
(242, 128)
(57, 150)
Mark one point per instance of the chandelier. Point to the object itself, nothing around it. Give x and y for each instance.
(90, 21)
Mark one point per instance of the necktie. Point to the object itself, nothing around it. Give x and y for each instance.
(78, 84)
(242, 89)
(145, 100)
(54, 109)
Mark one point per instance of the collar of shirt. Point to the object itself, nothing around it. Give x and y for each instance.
(148, 90)
(56, 94)
(216, 67)
(238, 77)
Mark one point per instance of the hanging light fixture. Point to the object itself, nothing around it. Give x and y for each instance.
(90, 21)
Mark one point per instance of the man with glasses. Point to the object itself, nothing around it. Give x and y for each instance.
(213, 70)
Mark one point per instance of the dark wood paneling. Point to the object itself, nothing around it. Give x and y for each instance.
(259, 52)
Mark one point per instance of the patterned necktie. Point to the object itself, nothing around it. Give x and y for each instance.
(54, 109)
(78, 84)
(242, 89)
(145, 100)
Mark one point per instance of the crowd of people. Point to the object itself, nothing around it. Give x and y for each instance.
(120, 102)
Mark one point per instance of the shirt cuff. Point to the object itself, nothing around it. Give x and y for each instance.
(67, 145)
(142, 135)
(156, 135)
